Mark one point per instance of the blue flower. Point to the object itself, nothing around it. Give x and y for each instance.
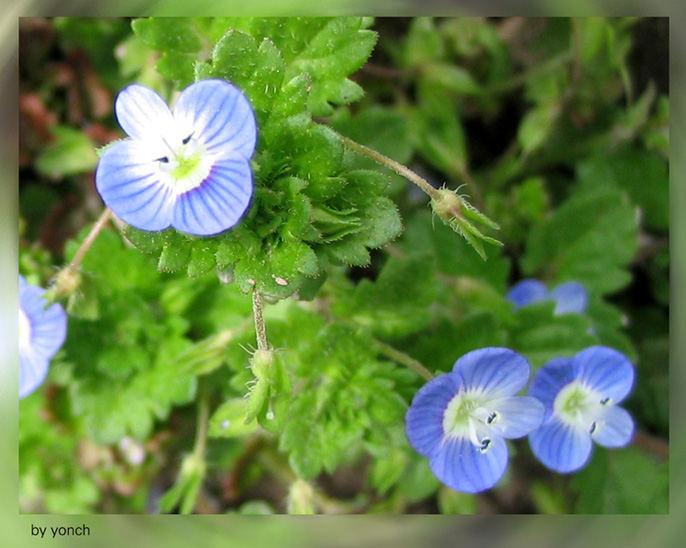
(459, 420)
(580, 396)
(190, 168)
(41, 333)
(568, 297)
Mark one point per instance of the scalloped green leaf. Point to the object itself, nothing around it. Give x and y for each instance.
(591, 238)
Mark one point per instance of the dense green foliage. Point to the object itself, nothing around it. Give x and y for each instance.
(542, 124)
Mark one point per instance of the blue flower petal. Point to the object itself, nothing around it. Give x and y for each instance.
(219, 202)
(615, 428)
(517, 416)
(32, 371)
(48, 329)
(570, 297)
(606, 371)
(527, 292)
(130, 185)
(496, 371)
(220, 115)
(189, 169)
(48, 326)
(550, 379)
(142, 113)
(463, 467)
(424, 418)
(561, 447)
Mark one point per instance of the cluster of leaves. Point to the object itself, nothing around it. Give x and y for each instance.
(539, 121)
(309, 209)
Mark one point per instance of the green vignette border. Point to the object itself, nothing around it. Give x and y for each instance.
(405, 530)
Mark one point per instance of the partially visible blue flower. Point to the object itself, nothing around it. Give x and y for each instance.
(580, 396)
(189, 168)
(459, 420)
(41, 333)
(568, 297)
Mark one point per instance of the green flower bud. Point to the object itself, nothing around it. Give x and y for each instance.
(460, 215)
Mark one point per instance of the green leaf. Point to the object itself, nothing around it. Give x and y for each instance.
(177, 38)
(385, 472)
(541, 336)
(536, 126)
(593, 39)
(203, 356)
(202, 259)
(380, 222)
(449, 339)
(111, 412)
(591, 239)
(398, 302)
(147, 242)
(453, 502)
(48, 477)
(451, 77)
(102, 265)
(122, 359)
(185, 491)
(423, 43)
(337, 50)
(175, 254)
(258, 70)
(610, 484)
(437, 130)
(643, 175)
(230, 420)
(656, 133)
(168, 33)
(292, 98)
(70, 153)
(177, 66)
(530, 199)
(339, 378)
(319, 157)
(418, 481)
(350, 252)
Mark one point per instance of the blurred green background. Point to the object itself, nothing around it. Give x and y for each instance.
(398, 531)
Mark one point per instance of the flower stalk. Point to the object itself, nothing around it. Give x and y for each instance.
(404, 359)
(400, 169)
(452, 208)
(67, 280)
(260, 327)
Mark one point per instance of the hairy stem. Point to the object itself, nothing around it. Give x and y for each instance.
(92, 235)
(400, 169)
(260, 328)
(404, 359)
(202, 421)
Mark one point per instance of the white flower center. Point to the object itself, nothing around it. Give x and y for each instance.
(186, 165)
(467, 416)
(580, 406)
(24, 330)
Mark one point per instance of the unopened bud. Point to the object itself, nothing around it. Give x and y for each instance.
(301, 498)
(67, 282)
(463, 217)
(261, 363)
